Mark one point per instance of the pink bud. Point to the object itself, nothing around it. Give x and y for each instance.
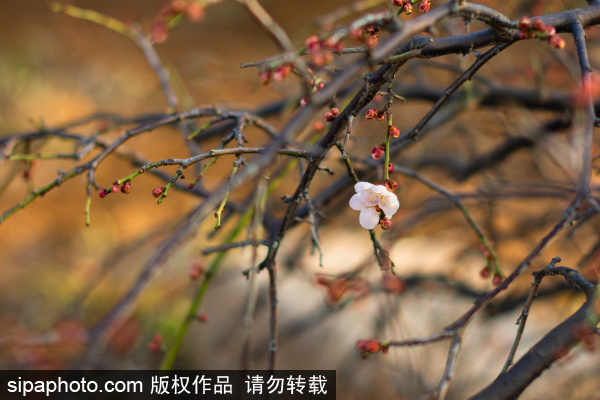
(524, 23)
(537, 25)
(377, 153)
(557, 42)
(372, 114)
(157, 192)
(497, 279)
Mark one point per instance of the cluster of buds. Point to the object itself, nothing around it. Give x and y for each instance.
(366, 347)
(338, 287)
(406, 6)
(157, 192)
(278, 74)
(368, 35)
(531, 29)
(487, 270)
(485, 273)
(331, 114)
(169, 13)
(155, 344)
(321, 51)
(125, 188)
(374, 113)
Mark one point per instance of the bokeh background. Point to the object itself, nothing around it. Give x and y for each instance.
(59, 277)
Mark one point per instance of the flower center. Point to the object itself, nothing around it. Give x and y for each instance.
(382, 198)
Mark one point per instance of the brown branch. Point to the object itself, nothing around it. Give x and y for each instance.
(553, 346)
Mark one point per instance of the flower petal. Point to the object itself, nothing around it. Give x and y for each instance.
(356, 203)
(369, 218)
(364, 190)
(390, 205)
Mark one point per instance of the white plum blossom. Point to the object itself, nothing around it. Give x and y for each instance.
(370, 200)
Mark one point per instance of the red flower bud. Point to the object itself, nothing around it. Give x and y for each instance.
(550, 30)
(485, 272)
(394, 132)
(497, 279)
(385, 223)
(312, 43)
(372, 114)
(126, 187)
(390, 184)
(157, 192)
(202, 317)
(102, 193)
(377, 153)
(524, 23)
(537, 25)
(282, 72)
(557, 42)
(408, 9)
(265, 77)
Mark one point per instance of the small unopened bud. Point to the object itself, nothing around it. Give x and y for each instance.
(372, 113)
(394, 132)
(377, 153)
(102, 193)
(202, 317)
(524, 23)
(115, 187)
(537, 25)
(312, 42)
(390, 168)
(126, 187)
(424, 6)
(282, 72)
(385, 223)
(303, 101)
(390, 184)
(497, 279)
(157, 192)
(408, 8)
(265, 77)
(557, 42)
(550, 30)
(485, 272)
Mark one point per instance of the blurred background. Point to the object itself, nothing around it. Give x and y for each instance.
(59, 277)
